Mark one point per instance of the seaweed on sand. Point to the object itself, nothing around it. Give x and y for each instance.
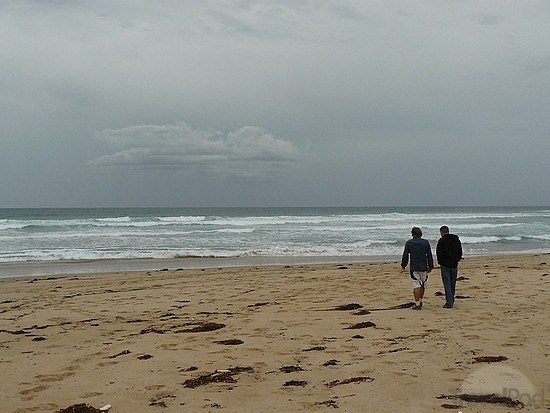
(219, 376)
(316, 348)
(202, 327)
(485, 398)
(230, 342)
(297, 383)
(291, 369)
(359, 379)
(364, 324)
(490, 359)
(347, 307)
(80, 408)
(396, 307)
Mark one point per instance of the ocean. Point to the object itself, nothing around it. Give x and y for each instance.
(82, 234)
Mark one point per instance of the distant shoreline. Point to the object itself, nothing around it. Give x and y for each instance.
(100, 266)
(48, 268)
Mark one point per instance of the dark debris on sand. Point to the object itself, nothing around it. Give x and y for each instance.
(364, 324)
(485, 398)
(316, 348)
(152, 330)
(122, 353)
(360, 379)
(80, 408)
(257, 305)
(332, 362)
(489, 359)
(202, 327)
(347, 307)
(328, 403)
(198, 328)
(291, 369)
(395, 350)
(230, 342)
(15, 332)
(192, 368)
(225, 376)
(39, 339)
(451, 406)
(396, 307)
(295, 383)
(158, 403)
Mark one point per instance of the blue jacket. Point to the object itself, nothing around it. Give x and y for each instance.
(420, 252)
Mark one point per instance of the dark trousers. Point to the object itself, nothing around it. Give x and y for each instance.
(449, 275)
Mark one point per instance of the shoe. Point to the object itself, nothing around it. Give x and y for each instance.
(447, 306)
(417, 307)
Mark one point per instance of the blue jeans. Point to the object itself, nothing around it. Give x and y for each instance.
(449, 275)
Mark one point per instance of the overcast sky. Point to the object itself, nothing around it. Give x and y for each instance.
(274, 103)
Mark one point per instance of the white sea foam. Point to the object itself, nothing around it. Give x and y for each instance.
(182, 219)
(116, 219)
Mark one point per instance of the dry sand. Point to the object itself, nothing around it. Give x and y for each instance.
(131, 339)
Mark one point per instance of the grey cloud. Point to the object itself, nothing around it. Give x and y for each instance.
(249, 152)
(539, 65)
(232, 24)
(72, 94)
(489, 19)
(345, 12)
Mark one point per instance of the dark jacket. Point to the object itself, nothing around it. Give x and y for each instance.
(420, 252)
(449, 251)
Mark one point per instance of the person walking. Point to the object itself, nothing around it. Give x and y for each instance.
(421, 263)
(449, 253)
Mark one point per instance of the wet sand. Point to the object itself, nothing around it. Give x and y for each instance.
(275, 338)
(67, 267)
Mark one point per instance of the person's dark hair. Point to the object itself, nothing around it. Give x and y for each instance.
(416, 232)
(444, 229)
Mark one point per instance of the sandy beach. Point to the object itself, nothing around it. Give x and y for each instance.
(277, 338)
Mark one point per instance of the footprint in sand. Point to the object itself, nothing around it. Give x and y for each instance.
(29, 394)
(169, 346)
(46, 407)
(45, 378)
(512, 345)
(403, 373)
(471, 336)
(107, 363)
(156, 387)
(90, 395)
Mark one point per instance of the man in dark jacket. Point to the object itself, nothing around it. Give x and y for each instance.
(422, 263)
(449, 253)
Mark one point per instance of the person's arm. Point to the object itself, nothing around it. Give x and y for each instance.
(459, 250)
(405, 257)
(430, 258)
(439, 251)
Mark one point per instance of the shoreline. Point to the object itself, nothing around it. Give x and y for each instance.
(22, 269)
(48, 268)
